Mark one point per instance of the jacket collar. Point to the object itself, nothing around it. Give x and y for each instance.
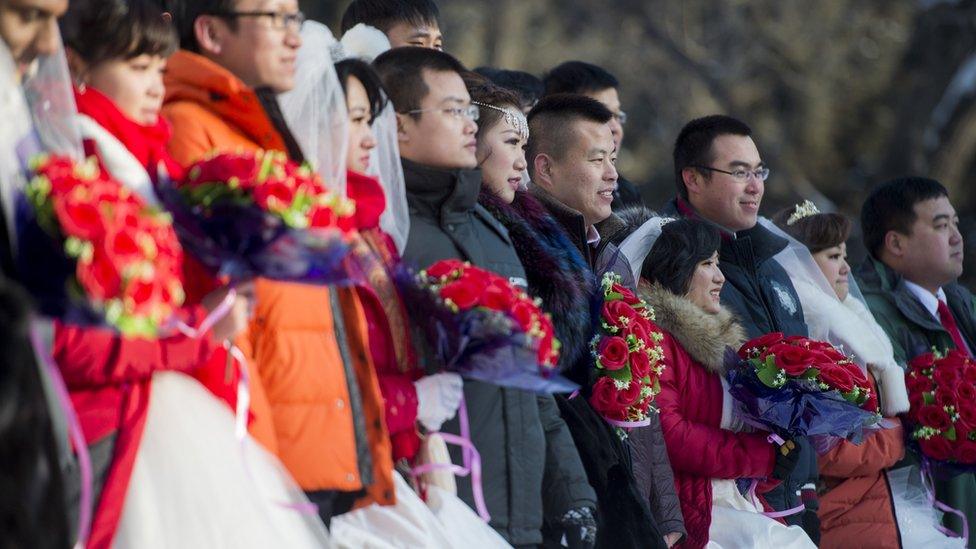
(572, 220)
(193, 78)
(886, 280)
(704, 336)
(446, 195)
(764, 243)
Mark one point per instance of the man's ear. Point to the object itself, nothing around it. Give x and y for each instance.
(402, 121)
(895, 243)
(542, 174)
(693, 180)
(209, 31)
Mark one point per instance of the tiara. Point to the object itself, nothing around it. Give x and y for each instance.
(514, 118)
(804, 209)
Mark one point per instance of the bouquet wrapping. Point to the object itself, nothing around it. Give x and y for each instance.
(91, 251)
(250, 215)
(479, 325)
(798, 387)
(628, 357)
(942, 393)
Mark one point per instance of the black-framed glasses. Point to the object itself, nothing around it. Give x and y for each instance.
(279, 20)
(761, 174)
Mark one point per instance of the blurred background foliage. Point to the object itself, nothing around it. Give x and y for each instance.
(841, 94)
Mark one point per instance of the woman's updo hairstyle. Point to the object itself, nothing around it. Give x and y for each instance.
(683, 244)
(818, 231)
(103, 30)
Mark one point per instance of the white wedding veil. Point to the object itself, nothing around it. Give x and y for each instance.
(638, 244)
(315, 109)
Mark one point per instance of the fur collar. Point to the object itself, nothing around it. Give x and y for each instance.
(704, 336)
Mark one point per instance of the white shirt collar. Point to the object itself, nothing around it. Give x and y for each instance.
(926, 298)
(592, 236)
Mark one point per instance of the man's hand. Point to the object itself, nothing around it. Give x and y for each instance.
(236, 319)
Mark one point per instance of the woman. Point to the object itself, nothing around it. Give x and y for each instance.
(558, 274)
(857, 500)
(682, 282)
(168, 461)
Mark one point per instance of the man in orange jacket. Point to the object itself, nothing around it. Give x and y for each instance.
(308, 343)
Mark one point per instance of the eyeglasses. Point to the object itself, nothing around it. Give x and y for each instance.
(621, 117)
(760, 174)
(470, 112)
(279, 20)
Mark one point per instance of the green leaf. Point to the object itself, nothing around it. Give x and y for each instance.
(950, 434)
(622, 374)
(768, 376)
(928, 397)
(811, 373)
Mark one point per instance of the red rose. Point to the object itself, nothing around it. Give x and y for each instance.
(761, 343)
(837, 378)
(915, 403)
(917, 383)
(464, 295)
(613, 353)
(143, 295)
(626, 295)
(640, 365)
(547, 354)
(963, 428)
(524, 312)
(629, 396)
(614, 311)
(935, 417)
(922, 362)
(221, 168)
(871, 404)
(499, 298)
(945, 377)
(444, 267)
(274, 196)
(793, 360)
(638, 330)
(480, 277)
(604, 399)
(936, 447)
(322, 217)
(965, 393)
(967, 410)
(123, 248)
(857, 375)
(100, 278)
(965, 452)
(969, 374)
(79, 218)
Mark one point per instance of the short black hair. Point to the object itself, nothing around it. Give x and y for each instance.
(384, 14)
(186, 12)
(102, 30)
(528, 86)
(401, 71)
(693, 147)
(578, 77)
(366, 75)
(683, 244)
(891, 207)
(550, 119)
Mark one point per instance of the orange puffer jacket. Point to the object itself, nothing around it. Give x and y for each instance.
(856, 511)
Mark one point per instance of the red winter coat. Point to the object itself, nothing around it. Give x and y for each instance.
(691, 408)
(389, 334)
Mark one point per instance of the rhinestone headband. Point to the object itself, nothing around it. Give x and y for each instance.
(804, 209)
(514, 118)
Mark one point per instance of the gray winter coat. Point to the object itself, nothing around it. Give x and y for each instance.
(520, 436)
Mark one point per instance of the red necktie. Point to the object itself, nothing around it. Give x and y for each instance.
(949, 323)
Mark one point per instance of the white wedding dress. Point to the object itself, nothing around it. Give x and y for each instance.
(195, 485)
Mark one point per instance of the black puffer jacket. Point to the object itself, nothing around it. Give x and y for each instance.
(526, 449)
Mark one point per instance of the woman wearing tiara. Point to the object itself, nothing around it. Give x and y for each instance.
(861, 501)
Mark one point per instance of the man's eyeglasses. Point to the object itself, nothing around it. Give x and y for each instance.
(761, 174)
(621, 117)
(279, 20)
(470, 112)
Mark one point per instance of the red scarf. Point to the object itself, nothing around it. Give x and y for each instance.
(366, 191)
(146, 143)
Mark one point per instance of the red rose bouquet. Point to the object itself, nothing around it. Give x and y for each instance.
(628, 357)
(93, 251)
(942, 392)
(478, 324)
(795, 386)
(259, 214)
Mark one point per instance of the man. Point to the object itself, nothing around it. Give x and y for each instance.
(531, 472)
(527, 86)
(720, 175)
(595, 82)
(912, 234)
(405, 22)
(316, 398)
(571, 153)
(36, 457)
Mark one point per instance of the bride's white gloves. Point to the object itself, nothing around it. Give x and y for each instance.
(438, 398)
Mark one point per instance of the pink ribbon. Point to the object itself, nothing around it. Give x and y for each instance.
(219, 312)
(628, 424)
(75, 433)
(926, 473)
(773, 437)
(471, 459)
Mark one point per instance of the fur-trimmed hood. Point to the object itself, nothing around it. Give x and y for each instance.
(704, 336)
